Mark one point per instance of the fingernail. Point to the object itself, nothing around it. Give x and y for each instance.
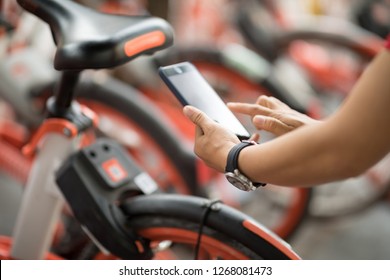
(187, 110)
(258, 120)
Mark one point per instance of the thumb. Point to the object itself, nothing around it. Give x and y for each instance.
(197, 117)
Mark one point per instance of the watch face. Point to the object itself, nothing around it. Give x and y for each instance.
(238, 182)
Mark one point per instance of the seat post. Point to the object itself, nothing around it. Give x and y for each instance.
(64, 93)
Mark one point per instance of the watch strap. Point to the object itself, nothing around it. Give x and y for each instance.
(232, 159)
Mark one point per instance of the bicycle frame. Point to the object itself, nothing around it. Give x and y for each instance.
(34, 229)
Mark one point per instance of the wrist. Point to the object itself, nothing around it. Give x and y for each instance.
(225, 154)
(245, 161)
(233, 173)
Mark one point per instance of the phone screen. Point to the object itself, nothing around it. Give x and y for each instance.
(191, 88)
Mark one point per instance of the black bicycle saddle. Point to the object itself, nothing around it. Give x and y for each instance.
(88, 39)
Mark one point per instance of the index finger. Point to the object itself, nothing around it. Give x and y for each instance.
(249, 109)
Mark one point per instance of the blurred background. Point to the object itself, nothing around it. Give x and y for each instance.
(308, 53)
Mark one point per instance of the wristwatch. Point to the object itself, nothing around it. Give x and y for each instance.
(233, 174)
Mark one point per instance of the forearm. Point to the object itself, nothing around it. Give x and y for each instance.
(302, 158)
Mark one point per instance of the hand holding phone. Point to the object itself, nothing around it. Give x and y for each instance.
(190, 88)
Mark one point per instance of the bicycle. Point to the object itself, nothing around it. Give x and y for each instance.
(118, 105)
(68, 123)
(170, 161)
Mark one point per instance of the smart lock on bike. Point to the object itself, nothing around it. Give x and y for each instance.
(94, 181)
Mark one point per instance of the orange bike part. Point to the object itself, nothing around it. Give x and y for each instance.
(271, 239)
(214, 248)
(144, 42)
(294, 213)
(58, 126)
(5, 248)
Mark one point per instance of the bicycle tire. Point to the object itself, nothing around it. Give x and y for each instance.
(272, 44)
(227, 233)
(341, 42)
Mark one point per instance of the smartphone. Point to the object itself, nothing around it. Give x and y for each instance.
(191, 88)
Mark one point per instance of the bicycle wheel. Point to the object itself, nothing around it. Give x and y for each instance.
(341, 50)
(226, 233)
(352, 195)
(272, 39)
(278, 208)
